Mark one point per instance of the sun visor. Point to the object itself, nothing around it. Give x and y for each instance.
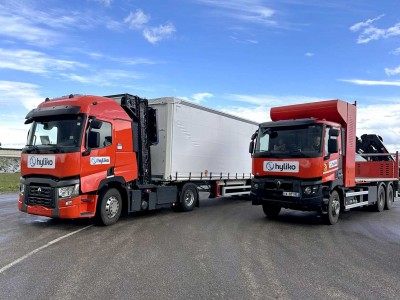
(51, 111)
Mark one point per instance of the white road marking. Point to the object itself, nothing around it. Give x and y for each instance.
(5, 268)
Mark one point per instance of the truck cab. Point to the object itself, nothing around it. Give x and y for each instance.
(305, 159)
(76, 146)
(295, 161)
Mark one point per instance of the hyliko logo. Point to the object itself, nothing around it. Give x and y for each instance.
(41, 161)
(281, 166)
(104, 160)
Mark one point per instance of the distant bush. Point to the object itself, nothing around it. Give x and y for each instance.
(9, 165)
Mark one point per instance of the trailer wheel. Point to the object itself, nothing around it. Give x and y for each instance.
(109, 207)
(333, 213)
(389, 197)
(380, 201)
(189, 196)
(271, 211)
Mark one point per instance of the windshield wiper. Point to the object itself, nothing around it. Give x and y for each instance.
(57, 149)
(33, 149)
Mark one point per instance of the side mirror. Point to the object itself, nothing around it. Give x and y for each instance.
(96, 124)
(334, 132)
(333, 146)
(251, 147)
(94, 139)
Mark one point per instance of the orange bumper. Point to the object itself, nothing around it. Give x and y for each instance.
(83, 206)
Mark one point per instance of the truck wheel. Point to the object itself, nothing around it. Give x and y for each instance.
(332, 216)
(389, 197)
(271, 211)
(109, 207)
(189, 196)
(380, 201)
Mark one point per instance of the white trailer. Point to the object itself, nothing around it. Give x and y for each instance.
(202, 146)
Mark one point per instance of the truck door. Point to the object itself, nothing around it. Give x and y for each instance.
(332, 160)
(99, 158)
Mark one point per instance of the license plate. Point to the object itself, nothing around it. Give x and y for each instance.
(291, 194)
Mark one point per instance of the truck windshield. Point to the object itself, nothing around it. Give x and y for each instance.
(61, 135)
(290, 141)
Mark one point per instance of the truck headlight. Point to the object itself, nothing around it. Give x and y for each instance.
(68, 191)
(21, 189)
(311, 190)
(254, 186)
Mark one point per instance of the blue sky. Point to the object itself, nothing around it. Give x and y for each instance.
(240, 56)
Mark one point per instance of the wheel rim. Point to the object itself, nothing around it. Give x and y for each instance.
(189, 197)
(335, 206)
(112, 207)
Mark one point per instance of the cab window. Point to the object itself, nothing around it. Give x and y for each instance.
(104, 134)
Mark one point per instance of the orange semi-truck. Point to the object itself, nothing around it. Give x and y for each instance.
(90, 156)
(305, 159)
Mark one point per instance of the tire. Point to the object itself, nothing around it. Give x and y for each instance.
(389, 197)
(109, 207)
(271, 211)
(188, 197)
(332, 216)
(381, 198)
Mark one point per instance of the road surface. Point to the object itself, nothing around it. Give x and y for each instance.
(226, 249)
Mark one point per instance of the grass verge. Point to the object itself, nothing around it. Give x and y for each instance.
(9, 182)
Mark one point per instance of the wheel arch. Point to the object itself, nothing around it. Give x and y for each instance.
(119, 184)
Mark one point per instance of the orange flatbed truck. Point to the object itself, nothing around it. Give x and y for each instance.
(305, 159)
(90, 156)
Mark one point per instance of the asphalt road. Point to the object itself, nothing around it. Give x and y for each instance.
(226, 249)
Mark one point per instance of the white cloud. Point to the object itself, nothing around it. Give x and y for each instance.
(386, 125)
(372, 82)
(360, 25)
(137, 19)
(18, 28)
(14, 93)
(155, 34)
(369, 32)
(243, 10)
(257, 114)
(201, 97)
(396, 51)
(34, 62)
(105, 77)
(197, 98)
(309, 54)
(23, 21)
(391, 72)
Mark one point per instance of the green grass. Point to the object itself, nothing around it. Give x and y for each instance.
(9, 182)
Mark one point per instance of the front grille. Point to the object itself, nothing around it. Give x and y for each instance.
(283, 185)
(274, 189)
(41, 195)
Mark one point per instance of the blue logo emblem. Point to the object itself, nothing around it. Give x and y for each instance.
(270, 166)
(32, 161)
